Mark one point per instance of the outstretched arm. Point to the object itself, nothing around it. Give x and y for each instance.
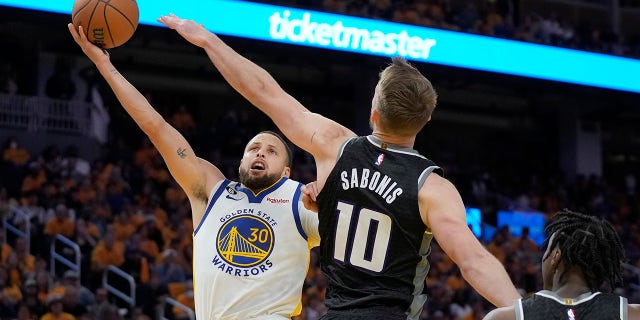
(634, 311)
(506, 313)
(194, 175)
(316, 134)
(443, 212)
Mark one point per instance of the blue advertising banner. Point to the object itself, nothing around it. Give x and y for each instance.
(382, 38)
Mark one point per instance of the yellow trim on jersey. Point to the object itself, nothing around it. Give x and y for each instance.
(193, 271)
(298, 308)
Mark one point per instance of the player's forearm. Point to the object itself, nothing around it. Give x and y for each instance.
(136, 105)
(489, 278)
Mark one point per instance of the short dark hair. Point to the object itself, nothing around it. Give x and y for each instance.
(588, 243)
(284, 142)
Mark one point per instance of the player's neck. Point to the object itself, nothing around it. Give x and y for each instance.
(402, 141)
(573, 286)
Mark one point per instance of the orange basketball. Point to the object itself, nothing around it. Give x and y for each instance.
(106, 23)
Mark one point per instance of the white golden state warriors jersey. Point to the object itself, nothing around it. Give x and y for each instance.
(251, 252)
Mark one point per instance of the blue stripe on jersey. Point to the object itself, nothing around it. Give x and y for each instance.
(257, 198)
(212, 201)
(296, 213)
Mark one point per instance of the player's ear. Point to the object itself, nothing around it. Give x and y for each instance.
(556, 257)
(375, 114)
(286, 172)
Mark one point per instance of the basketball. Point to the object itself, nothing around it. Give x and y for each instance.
(106, 23)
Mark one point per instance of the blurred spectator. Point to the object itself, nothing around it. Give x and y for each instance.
(98, 309)
(14, 153)
(497, 245)
(74, 166)
(43, 285)
(181, 246)
(56, 310)
(61, 223)
(145, 154)
(183, 121)
(5, 249)
(72, 281)
(148, 246)
(186, 299)
(24, 313)
(10, 294)
(125, 225)
(86, 236)
(12, 266)
(523, 243)
(149, 296)
(8, 78)
(169, 269)
(70, 302)
(460, 307)
(26, 261)
(108, 251)
(31, 300)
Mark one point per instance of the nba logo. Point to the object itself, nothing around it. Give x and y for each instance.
(380, 159)
(571, 315)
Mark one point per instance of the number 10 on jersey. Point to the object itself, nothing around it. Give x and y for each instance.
(359, 245)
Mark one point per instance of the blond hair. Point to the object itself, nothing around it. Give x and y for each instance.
(404, 98)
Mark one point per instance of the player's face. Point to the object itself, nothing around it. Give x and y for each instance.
(263, 163)
(548, 264)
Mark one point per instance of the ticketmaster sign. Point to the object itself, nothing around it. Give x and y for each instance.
(374, 37)
(334, 34)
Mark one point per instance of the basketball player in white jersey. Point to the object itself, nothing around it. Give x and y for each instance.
(251, 238)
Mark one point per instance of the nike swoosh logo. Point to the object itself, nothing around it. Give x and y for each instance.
(232, 198)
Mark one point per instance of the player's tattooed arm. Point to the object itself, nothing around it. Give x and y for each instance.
(181, 152)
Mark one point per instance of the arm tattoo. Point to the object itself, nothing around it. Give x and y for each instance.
(181, 152)
(114, 71)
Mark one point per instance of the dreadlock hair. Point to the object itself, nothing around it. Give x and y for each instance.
(590, 244)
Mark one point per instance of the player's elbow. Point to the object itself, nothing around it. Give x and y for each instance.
(153, 125)
(474, 263)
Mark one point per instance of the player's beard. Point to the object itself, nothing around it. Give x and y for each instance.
(257, 183)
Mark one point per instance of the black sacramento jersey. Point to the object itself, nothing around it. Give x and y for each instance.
(374, 244)
(546, 305)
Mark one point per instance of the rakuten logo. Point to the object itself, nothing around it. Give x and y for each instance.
(274, 200)
(283, 26)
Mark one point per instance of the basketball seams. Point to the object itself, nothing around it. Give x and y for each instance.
(91, 18)
(106, 24)
(88, 24)
(122, 13)
(73, 17)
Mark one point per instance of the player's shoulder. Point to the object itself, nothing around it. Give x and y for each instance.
(634, 311)
(435, 183)
(505, 313)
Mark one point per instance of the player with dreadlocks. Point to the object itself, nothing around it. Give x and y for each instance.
(584, 255)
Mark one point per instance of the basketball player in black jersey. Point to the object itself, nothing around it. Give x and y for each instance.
(583, 254)
(380, 202)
